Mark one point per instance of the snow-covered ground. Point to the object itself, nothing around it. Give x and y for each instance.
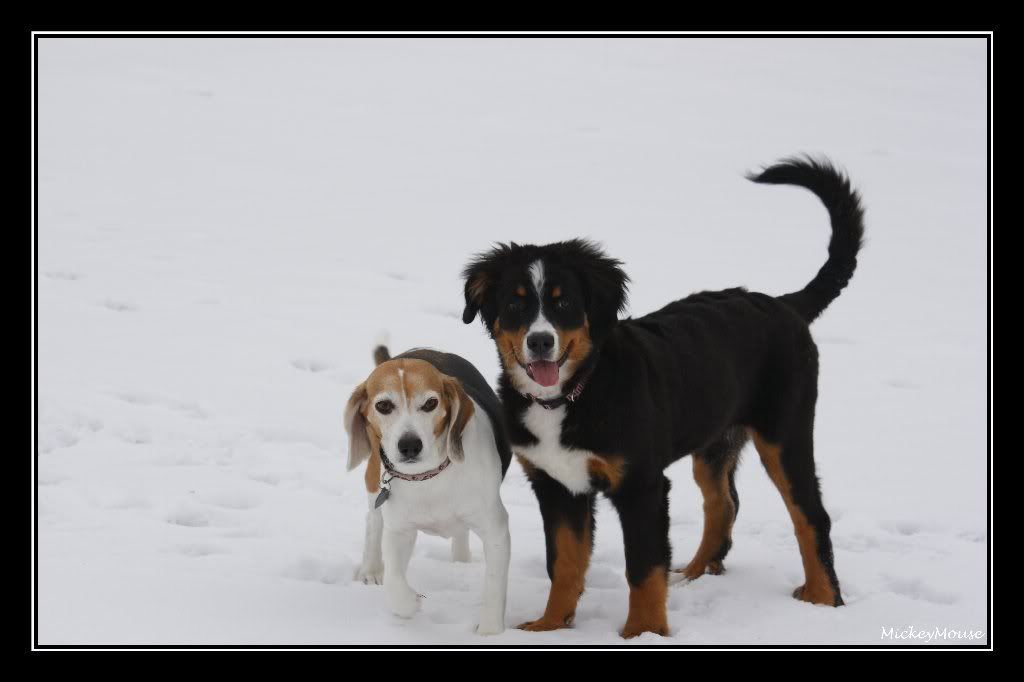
(225, 227)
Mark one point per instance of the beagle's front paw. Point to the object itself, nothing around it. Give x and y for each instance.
(370, 575)
(490, 626)
(403, 602)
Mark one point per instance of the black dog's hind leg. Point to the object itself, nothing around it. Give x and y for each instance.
(714, 470)
(787, 452)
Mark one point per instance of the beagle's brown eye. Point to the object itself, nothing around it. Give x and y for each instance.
(429, 405)
(384, 406)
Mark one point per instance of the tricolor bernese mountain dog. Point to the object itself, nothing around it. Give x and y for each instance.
(598, 404)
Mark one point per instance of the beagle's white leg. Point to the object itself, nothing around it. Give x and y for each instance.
(497, 552)
(460, 546)
(397, 545)
(371, 570)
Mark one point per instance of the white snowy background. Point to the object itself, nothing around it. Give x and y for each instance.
(225, 227)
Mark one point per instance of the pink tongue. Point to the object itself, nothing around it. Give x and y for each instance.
(544, 373)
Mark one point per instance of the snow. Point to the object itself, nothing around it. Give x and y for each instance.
(226, 226)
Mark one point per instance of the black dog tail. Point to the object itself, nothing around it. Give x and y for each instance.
(847, 216)
(381, 354)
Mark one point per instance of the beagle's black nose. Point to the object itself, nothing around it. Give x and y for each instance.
(409, 446)
(540, 343)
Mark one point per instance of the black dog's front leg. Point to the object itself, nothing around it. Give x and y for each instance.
(568, 534)
(643, 511)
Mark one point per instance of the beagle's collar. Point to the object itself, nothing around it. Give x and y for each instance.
(424, 476)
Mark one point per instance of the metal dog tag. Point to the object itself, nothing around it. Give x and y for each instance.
(382, 497)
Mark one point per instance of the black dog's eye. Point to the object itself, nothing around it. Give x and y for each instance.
(561, 304)
(429, 405)
(384, 406)
(516, 305)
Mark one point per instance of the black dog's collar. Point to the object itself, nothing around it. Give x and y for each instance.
(569, 397)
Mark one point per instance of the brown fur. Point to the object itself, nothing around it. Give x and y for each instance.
(416, 377)
(817, 587)
(509, 342)
(719, 512)
(579, 339)
(608, 469)
(648, 603)
(459, 408)
(572, 558)
(373, 468)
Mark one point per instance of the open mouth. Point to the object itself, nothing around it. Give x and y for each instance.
(545, 372)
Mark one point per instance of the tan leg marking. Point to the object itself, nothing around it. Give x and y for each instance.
(572, 558)
(648, 605)
(719, 512)
(817, 587)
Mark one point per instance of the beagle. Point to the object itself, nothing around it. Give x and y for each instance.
(432, 431)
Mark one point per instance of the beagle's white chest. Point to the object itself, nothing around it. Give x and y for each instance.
(565, 465)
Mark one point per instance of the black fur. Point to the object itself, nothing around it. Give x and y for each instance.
(847, 215)
(690, 378)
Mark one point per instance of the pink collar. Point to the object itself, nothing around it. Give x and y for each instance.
(424, 476)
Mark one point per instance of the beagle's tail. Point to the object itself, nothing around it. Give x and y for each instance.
(847, 217)
(381, 354)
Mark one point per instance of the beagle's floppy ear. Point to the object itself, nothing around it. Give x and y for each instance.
(355, 425)
(460, 411)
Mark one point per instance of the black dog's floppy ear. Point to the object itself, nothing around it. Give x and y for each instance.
(355, 425)
(481, 274)
(460, 411)
(477, 284)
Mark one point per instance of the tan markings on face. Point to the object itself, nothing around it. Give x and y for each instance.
(556, 292)
(580, 340)
(521, 290)
(409, 378)
(508, 341)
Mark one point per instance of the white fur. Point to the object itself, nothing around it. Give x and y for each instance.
(520, 378)
(567, 466)
(371, 570)
(464, 497)
(540, 323)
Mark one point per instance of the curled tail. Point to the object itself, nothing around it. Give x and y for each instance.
(381, 354)
(847, 216)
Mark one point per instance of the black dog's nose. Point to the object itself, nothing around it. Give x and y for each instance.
(540, 343)
(409, 446)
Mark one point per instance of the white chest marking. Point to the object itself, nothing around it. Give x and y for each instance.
(567, 466)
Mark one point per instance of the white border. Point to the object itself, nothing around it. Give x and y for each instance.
(539, 34)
